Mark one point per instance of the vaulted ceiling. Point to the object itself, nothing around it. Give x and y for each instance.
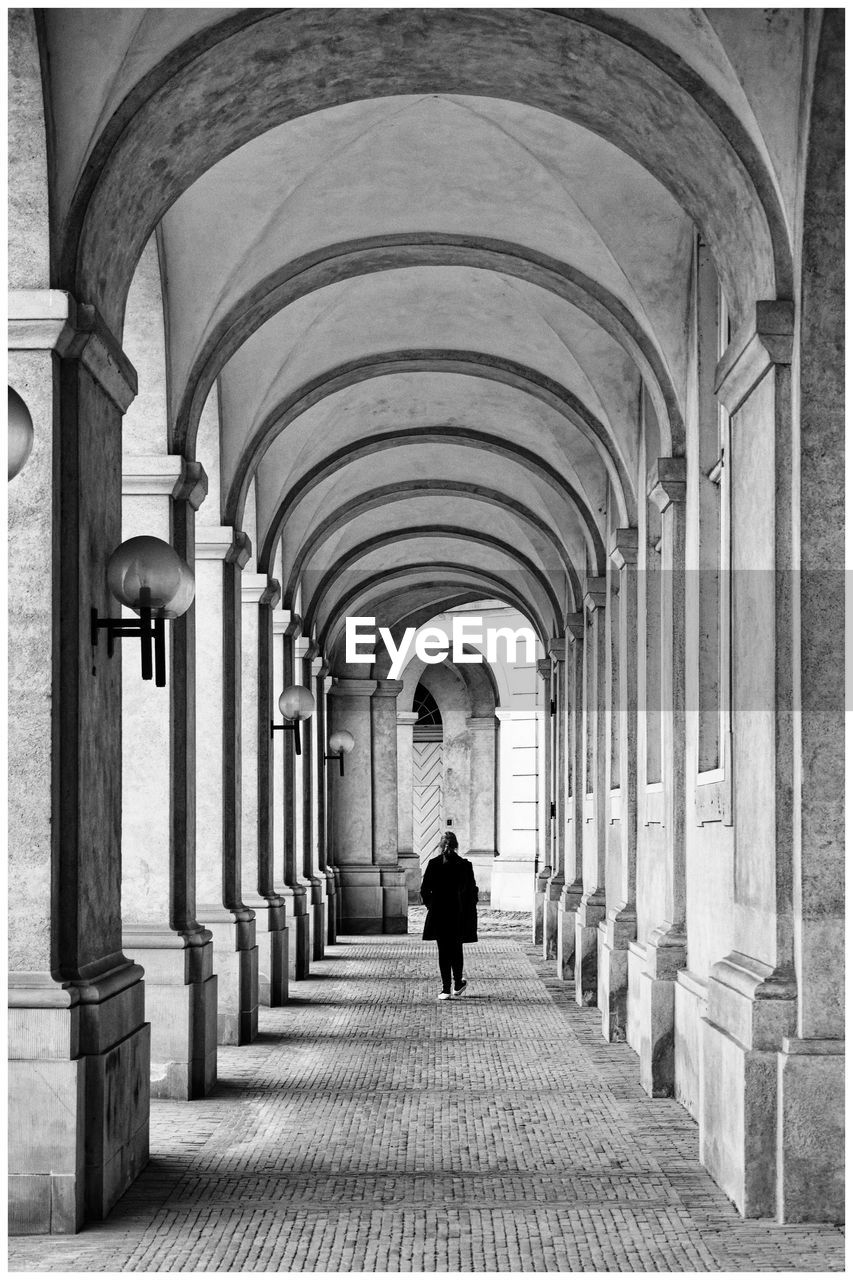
(414, 285)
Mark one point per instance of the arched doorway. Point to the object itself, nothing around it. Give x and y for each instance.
(427, 776)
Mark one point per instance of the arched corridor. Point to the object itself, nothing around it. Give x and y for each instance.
(426, 420)
(370, 1129)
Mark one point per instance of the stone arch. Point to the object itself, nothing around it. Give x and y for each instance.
(624, 85)
(384, 495)
(333, 462)
(385, 253)
(471, 363)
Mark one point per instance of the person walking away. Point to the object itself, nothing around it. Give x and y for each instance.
(450, 894)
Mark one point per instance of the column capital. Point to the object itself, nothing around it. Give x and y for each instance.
(543, 666)
(221, 542)
(624, 547)
(667, 482)
(557, 649)
(259, 588)
(51, 320)
(765, 339)
(305, 647)
(574, 627)
(164, 474)
(388, 688)
(407, 717)
(346, 688)
(594, 593)
(286, 623)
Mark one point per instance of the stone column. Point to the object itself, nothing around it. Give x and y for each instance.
(619, 928)
(483, 807)
(305, 651)
(78, 1040)
(751, 1123)
(160, 497)
(383, 746)
(351, 809)
(259, 594)
(573, 869)
(406, 856)
(556, 884)
(319, 668)
(221, 554)
(544, 870)
(595, 798)
(293, 886)
(666, 946)
(513, 883)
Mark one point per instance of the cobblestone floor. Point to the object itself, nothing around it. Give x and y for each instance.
(372, 1129)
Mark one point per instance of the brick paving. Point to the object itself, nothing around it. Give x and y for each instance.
(371, 1128)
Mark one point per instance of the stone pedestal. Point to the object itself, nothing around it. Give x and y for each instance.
(665, 954)
(181, 1004)
(567, 910)
(810, 1135)
(587, 920)
(751, 1010)
(236, 960)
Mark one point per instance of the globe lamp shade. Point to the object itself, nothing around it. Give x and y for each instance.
(341, 743)
(21, 433)
(296, 703)
(147, 572)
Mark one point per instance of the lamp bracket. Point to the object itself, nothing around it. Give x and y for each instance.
(293, 726)
(152, 636)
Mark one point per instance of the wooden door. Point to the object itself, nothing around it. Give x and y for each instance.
(427, 799)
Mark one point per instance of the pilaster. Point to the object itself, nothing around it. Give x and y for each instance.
(159, 927)
(619, 928)
(221, 554)
(78, 1042)
(595, 801)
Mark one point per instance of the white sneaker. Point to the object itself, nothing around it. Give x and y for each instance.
(445, 995)
(457, 991)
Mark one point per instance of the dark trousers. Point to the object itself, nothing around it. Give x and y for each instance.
(449, 961)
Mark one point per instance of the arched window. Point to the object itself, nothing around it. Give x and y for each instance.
(426, 707)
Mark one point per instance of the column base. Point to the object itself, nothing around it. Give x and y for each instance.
(811, 1131)
(665, 954)
(318, 909)
(373, 900)
(78, 1097)
(409, 861)
(271, 934)
(513, 884)
(567, 910)
(181, 1005)
(331, 906)
(298, 931)
(339, 901)
(235, 958)
(540, 889)
(614, 937)
(589, 915)
(483, 862)
(751, 1010)
(551, 907)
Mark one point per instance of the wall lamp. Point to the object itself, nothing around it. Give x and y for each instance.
(21, 433)
(149, 577)
(295, 704)
(341, 743)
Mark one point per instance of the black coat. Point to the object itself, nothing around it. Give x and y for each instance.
(449, 892)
